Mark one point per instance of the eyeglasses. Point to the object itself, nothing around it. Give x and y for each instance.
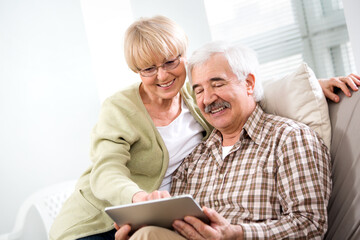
(168, 65)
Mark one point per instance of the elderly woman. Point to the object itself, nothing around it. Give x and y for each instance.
(142, 135)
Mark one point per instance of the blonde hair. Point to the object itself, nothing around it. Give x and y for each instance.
(148, 39)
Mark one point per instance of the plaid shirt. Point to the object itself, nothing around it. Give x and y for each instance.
(275, 182)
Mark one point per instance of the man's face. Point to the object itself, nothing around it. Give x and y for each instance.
(224, 101)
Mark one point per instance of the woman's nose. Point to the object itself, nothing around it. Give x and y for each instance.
(162, 74)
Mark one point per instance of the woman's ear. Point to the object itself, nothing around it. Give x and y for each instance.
(250, 84)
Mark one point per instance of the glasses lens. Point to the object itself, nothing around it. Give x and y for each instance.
(147, 72)
(151, 71)
(171, 64)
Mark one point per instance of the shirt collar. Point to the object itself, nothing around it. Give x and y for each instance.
(254, 124)
(252, 128)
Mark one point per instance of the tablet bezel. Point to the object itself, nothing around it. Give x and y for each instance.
(160, 212)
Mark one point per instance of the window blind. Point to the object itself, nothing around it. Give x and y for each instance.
(286, 32)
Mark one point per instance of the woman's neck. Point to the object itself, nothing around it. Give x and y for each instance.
(162, 111)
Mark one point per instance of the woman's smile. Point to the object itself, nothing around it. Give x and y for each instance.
(166, 85)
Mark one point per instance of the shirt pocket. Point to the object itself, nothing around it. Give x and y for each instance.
(266, 164)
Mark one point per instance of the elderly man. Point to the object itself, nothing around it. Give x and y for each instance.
(262, 176)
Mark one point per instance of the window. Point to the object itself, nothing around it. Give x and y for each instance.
(285, 33)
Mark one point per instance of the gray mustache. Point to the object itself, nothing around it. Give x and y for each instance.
(218, 104)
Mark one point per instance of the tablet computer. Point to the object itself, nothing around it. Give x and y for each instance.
(161, 212)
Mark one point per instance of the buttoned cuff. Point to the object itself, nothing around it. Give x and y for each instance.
(255, 231)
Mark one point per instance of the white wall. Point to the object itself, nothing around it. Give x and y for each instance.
(58, 61)
(189, 14)
(352, 16)
(105, 23)
(107, 20)
(48, 99)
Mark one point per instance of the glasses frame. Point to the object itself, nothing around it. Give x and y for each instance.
(142, 73)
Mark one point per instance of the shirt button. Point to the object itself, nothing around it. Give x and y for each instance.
(216, 203)
(221, 175)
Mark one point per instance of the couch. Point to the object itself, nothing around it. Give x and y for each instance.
(298, 96)
(344, 205)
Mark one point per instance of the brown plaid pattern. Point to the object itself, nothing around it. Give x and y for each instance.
(275, 182)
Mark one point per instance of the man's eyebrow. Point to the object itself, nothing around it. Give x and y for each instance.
(195, 86)
(214, 79)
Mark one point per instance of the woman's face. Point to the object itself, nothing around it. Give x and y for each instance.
(165, 84)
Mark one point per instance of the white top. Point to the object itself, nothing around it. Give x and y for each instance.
(225, 151)
(181, 136)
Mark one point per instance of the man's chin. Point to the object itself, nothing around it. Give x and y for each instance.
(215, 117)
(218, 123)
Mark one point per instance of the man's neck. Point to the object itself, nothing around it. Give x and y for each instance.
(232, 135)
(230, 139)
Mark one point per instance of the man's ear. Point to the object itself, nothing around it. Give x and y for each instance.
(250, 84)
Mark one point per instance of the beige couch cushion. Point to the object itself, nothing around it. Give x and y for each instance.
(299, 96)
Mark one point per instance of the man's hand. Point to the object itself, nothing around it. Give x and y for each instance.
(344, 83)
(219, 228)
(144, 196)
(122, 232)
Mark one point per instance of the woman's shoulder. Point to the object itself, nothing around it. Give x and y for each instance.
(127, 96)
(187, 89)
(129, 91)
(187, 93)
(125, 102)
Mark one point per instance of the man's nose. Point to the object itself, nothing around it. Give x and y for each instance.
(209, 96)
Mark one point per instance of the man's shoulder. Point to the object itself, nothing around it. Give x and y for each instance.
(285, 125)
(261, 124)
(283, 121)
(293, 134)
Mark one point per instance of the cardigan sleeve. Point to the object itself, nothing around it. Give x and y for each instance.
(127, 151)
(111, 140)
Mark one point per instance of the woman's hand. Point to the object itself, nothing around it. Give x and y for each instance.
(122, 232)
(144, 196)
(344, 83)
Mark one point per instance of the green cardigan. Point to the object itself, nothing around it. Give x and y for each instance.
(128, 155)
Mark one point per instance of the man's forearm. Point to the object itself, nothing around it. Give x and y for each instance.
(289, 226)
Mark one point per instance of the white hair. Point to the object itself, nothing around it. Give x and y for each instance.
(241, 59)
